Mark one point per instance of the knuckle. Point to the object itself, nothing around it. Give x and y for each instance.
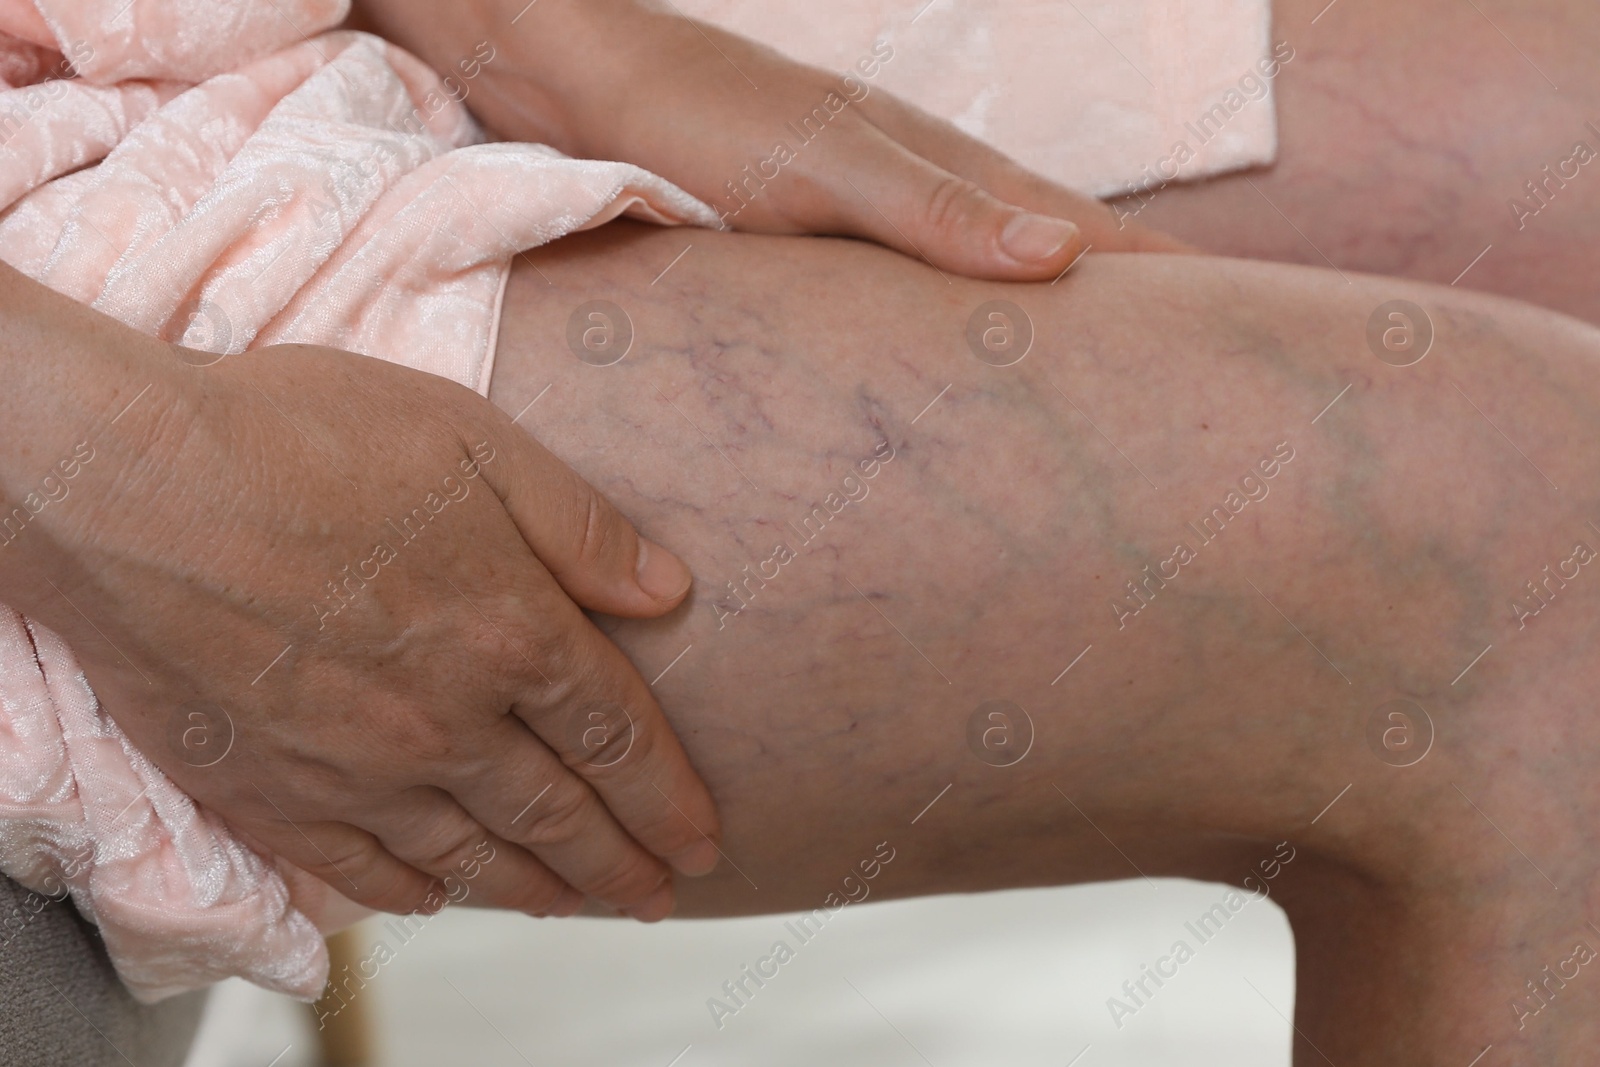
(567, 670)
(530, 886)
(351, 857)
(511, 654)
(395, 899)
(569, 812)
(420, 738)
(357, 870)
(629, 883)
(541, 897)
(514, 654)
(602, 530)
(601, 734)
(569, 661)
(952, 204)
(446, 851)
(670, 831)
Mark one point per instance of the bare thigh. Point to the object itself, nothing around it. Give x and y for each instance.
(1193, 542)
(1408, 133)
(958, 532)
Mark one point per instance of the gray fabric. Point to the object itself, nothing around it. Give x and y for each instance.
(61, 1003)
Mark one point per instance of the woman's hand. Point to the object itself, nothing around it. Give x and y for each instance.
(774, 145)
(333, 599)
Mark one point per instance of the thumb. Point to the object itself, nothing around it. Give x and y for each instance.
(900, 199)
(586, 544)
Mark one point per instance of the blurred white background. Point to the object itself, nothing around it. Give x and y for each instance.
(1019, 978)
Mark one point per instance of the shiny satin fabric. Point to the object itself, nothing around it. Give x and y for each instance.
(230, 174)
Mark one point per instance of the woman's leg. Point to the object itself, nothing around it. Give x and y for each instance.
(1407, 133)
(1202, 535)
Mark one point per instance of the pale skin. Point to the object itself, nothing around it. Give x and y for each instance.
(1405, 131)
(1231, 711)
(1391, 552)
(199, 566)
(834, 707)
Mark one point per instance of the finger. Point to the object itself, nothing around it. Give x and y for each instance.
(541, 806)
(586, 544)
(643, 775)
(1105, 228)
(655, 795)
(350, 860)
(429, 830)
(883, 191)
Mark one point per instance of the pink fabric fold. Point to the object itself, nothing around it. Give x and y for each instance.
(229, 175)
(1097, 94)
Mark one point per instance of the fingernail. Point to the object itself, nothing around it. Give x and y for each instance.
(697, 859)
(655, 907)
(660, 573)
(1029, 238)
